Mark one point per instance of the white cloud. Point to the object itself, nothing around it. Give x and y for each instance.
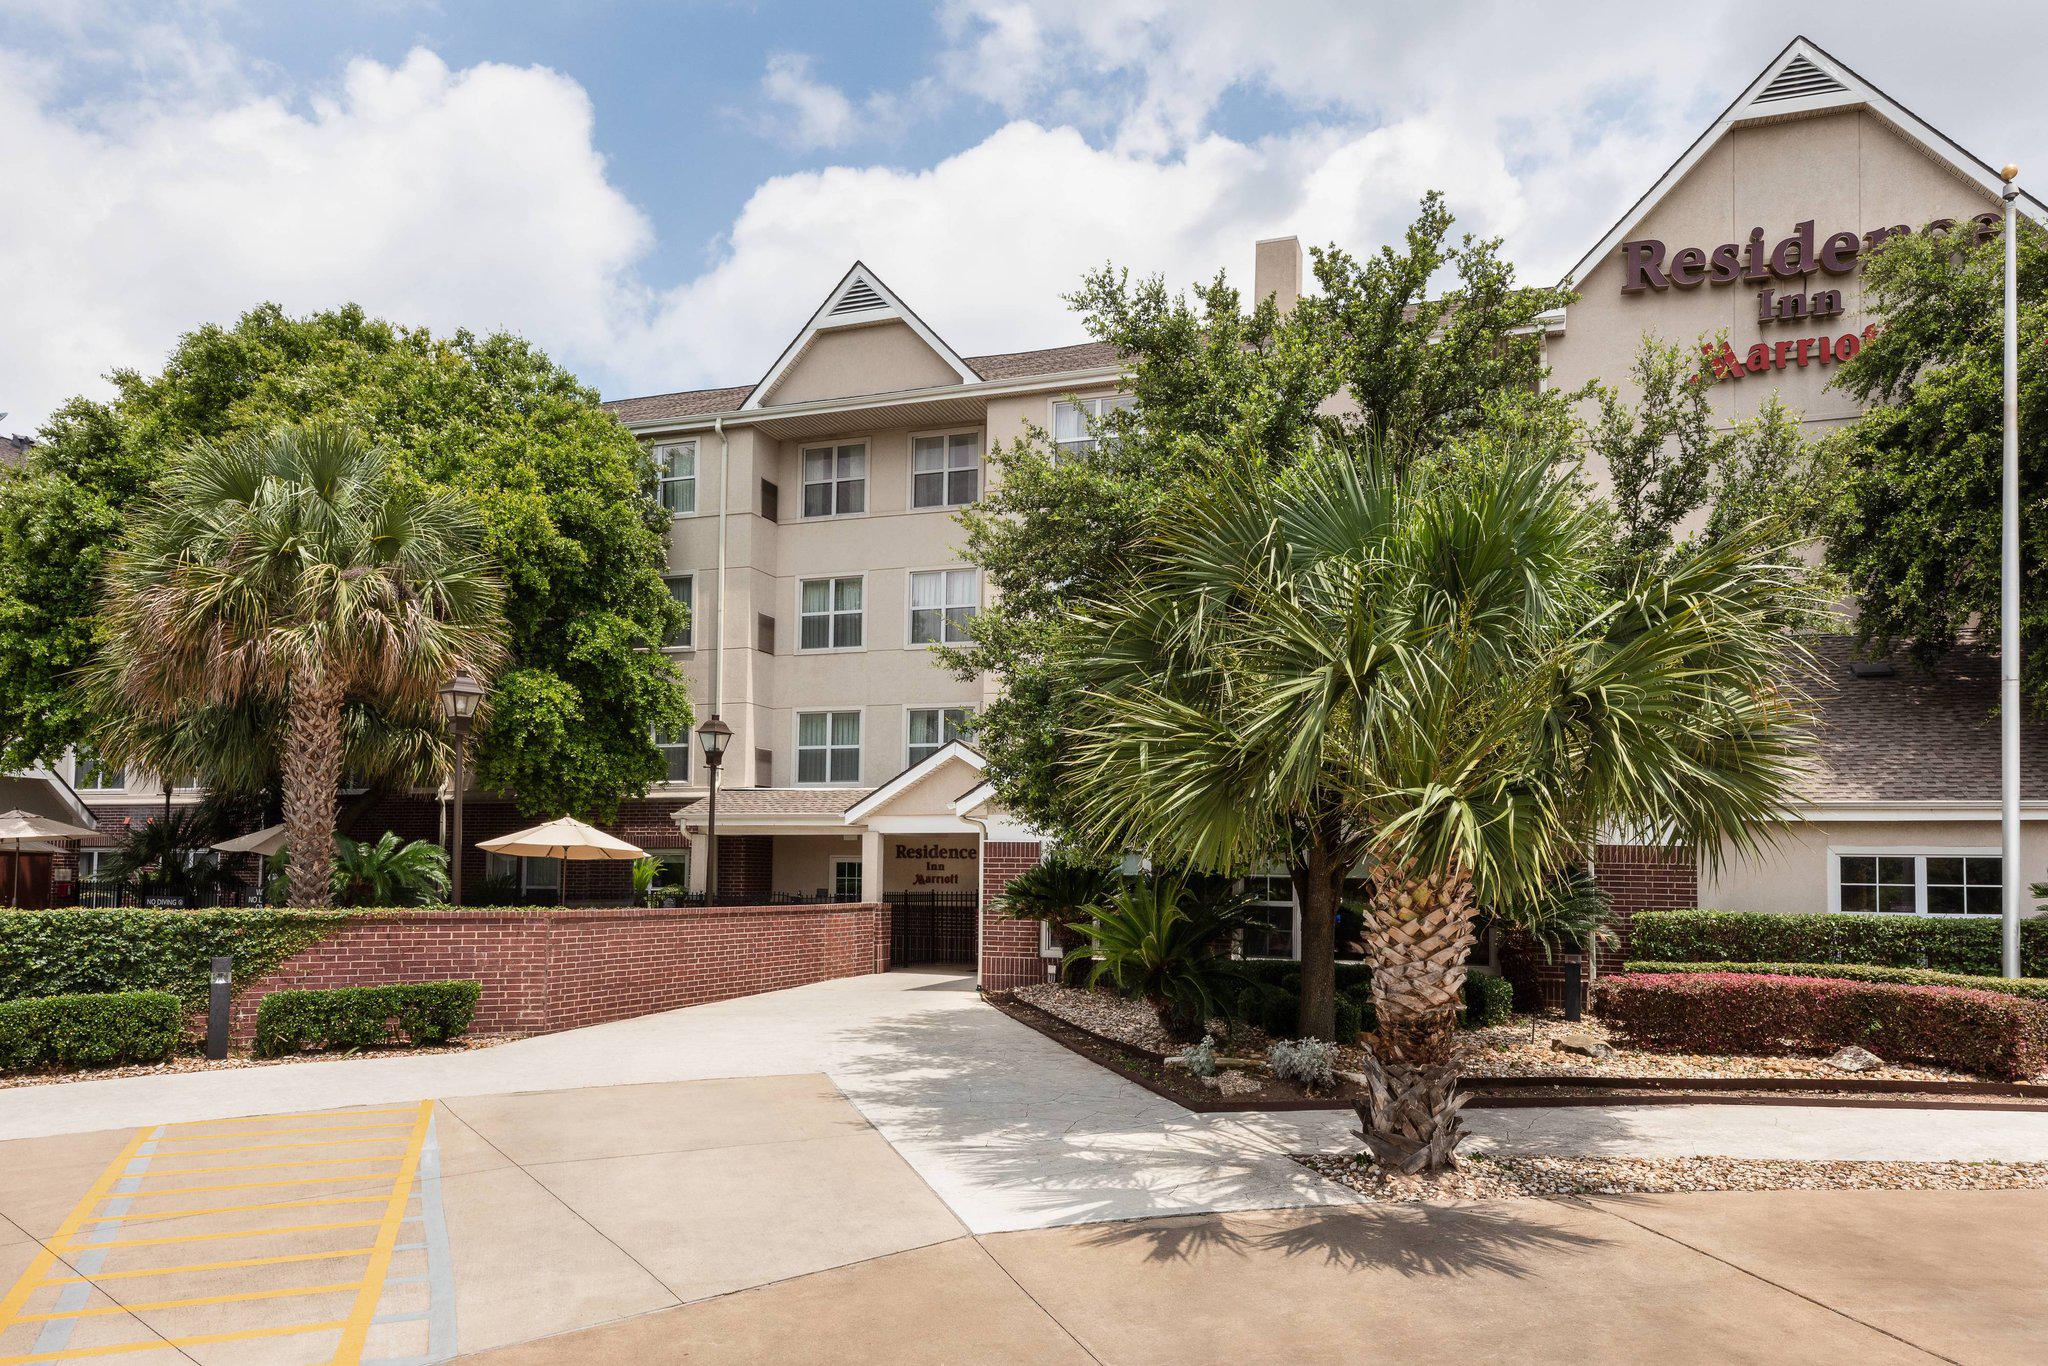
(477, 197)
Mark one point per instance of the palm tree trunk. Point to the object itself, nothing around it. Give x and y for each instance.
(1419, 930)
(312, 782)
(1316, 879)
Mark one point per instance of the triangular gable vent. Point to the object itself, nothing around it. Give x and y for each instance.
(859, 298)
(1799, 80)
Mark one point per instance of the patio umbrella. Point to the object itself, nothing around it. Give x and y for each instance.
(19, 828)
(262, 843)
(563, 838)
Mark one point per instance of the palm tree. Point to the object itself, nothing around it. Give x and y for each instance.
(293, 574)
(1339, 666)
(389, 871)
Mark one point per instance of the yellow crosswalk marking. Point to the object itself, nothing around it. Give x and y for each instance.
(374, 1198)
(161, 1344)
(285, 1293)
(357, 1331)
(260, 1185)
(139, 1272)
(273, 1133)
(216, 1237)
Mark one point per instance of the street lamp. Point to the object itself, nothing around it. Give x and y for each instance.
(714, 735)
(459, 698)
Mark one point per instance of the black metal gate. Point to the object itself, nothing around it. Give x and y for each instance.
(931, 927)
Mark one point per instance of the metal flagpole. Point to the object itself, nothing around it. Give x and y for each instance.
(2011, 880)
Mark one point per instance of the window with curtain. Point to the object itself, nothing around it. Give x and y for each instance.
(931, 729)
(683, 588)
(1078, 424)
(942, 602)
(830, 614)
(90, 773)
(835, 480)
(945, 470)
(675, 753)
(828, 747)
(676, 471)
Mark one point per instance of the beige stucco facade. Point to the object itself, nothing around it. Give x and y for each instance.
(1796, 873)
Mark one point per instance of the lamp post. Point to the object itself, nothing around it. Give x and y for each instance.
(2009, 598)
(459, 698)
(713, 736)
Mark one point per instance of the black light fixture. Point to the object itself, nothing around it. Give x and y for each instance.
(460, 696)
(713, 736)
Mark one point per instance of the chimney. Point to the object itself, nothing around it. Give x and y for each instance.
(1276, 270)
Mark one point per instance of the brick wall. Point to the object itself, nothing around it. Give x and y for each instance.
(746, 865)
(551, 968)
(1009, 948)
(1636, 878)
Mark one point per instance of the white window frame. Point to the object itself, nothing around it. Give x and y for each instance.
(689, 639)
(832, 614)
(119, 775)
(859, 745)
(867, 478)
(1293, 954)
(840, 861)
(1919, 853)
(686, 745)
(674, 856)
(663, 479)
(910, 608)
(911, 709)
(1094, 409)
(947, 470)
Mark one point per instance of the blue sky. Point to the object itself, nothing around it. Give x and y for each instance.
(659, 193)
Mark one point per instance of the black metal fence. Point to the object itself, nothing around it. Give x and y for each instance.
(109, 894)
(931, 927)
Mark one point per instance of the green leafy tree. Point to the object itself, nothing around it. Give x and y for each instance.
(1373, 347)
(291, 570)
(1916, 529)
(1414, 664)
(565, 498)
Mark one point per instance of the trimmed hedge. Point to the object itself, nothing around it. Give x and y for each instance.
(104, 1030)
(92, 952)
(1489, 1000)
(364, 1017)
(1272, 999)
(1942, 943)
(2033, 988)
(1974, 1031)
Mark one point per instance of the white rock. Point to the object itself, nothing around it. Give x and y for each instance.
(1855, 1058)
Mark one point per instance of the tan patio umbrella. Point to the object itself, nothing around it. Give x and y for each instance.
(564, 838)
(19, 828)
(262, 843)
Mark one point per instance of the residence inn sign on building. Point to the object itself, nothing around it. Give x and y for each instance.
(1751, 246)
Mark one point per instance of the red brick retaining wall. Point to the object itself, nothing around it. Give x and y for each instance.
(549, 968)
(1009, 948)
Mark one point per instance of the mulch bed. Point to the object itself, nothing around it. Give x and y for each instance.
(1505, 1068)
(197, 1061)
(1481, 1177)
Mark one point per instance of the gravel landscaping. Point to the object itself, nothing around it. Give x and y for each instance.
(1506, 1178)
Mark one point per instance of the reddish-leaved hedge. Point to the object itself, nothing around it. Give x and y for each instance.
(1973, 1031)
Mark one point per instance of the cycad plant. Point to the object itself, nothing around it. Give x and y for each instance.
(1417, 674)
(1160, 941)
(389, 872)
(294, 572)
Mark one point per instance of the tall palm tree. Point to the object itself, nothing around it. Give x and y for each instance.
(1338, 666)
(294, 574)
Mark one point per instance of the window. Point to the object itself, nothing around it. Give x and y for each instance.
(675, 752)
(90, 773)
(931, 729)
(537, 878)
(1919, 882)
(829, 614)
(683, 588)
(942, 602)
(945, 471)
(675, 468)
(1272, 896)
(828, 747)
(1077, 425)
(846, 879)
(835, 480)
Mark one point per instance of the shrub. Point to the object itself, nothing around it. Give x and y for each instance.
(1310, 1063)
(1489, 1000)
(102, 1030)
(1155, 942)
(1975, 1031)
(2033, 988)
(90, 952)
(1942, 943)
(1200, 1058)
(363, 1017)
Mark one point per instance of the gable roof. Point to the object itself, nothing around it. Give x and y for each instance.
(860, 299)
(1802, 79)
(1914, 735)
(953, 751)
